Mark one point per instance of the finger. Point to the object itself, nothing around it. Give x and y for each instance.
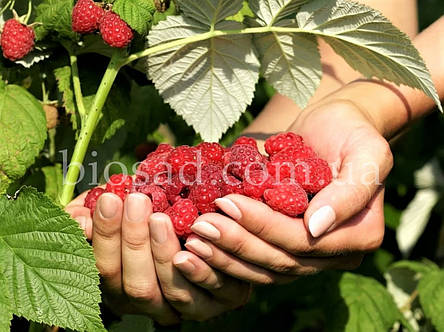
(232, 291)
(232, 265)
(362, 233)
(83, 217)
(139, 276)
(361, 173)
(190, 301)
(106, 240)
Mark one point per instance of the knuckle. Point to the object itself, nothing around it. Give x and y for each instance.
(135, 242)
(141, 292)
(284, 265)
(107, 271)
(374, 242)
(239, 245)
(177, 296)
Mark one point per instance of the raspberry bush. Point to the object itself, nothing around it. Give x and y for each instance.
(118, 96)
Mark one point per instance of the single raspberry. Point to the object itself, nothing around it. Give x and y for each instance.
(313, 174)
(282, 164)
(157, 195)
(115, 32)
(183, 214)
(243, 157)
(231, 185)
(289, 199)
(183, 160)
(17, 40)
(256, 182)
(120, 184)
(154, 169)
(178, 187)
(86, 15)
(204, 195)
(277, 143)
(92, 198)
(211, 173)
(163, 148)
(243, 140)
(211, 152)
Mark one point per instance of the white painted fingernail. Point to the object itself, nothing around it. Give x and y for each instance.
(206, 230)
(322, 221)
(228, 206)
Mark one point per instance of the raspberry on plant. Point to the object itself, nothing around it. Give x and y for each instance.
(120, 184)
(86, 15)
(243, 140)
(289, 199)
(243, 157)
(115, 32)
(17, 40)
(91, 199)
(157, 195)
(313, 174)
(183, 214)
(203, 196)
(256, 182)
(277, 143)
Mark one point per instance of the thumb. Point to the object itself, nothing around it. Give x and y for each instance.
(361, 173)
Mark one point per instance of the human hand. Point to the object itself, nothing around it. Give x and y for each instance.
(343, 221)
(134, 250)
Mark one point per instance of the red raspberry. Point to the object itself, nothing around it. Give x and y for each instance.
(183, 214)
(86, 15)
(157, 195)
(115, 32)
(17, 40)
(243, 140)
(243, 157)
(178, 187)
(163, 148)
(212, 173)
(204, 195)
(256, 183)
(154, 169)
(231, 185)
(211, 152)
(183, 160)
(313, 174)
(92, 198)
(281, 164)
(289, 199)
(120, 184)
(277, 143)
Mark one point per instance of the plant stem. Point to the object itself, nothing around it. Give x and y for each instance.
(77, 87)
(28, 14)
(408, 305)
(205, 36)
(88, 127)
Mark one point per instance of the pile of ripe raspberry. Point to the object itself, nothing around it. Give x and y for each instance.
(89, 16)
(184, 182)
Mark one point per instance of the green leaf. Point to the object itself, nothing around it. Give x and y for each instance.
(272, 11)
(49, 267)
(138, 14)
(370, 307)
(242, 14)
(209, 83)
(162, 16)
(53, 181)
(422, 268)
(22, 132)
(291, 63)
(64, 84)
(55, 16)
(5, 302)
(368, 42)
(210, 12)
(431, 296)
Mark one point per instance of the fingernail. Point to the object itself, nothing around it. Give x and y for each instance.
(136, 207)
(108, 205)
(322, 221)
(183, 264)
(229, 208)
(159, 231)
(206, 230)
(81, 221)
(199, 248)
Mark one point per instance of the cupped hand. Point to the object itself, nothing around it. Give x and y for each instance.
(343, 221)
(141, 266)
